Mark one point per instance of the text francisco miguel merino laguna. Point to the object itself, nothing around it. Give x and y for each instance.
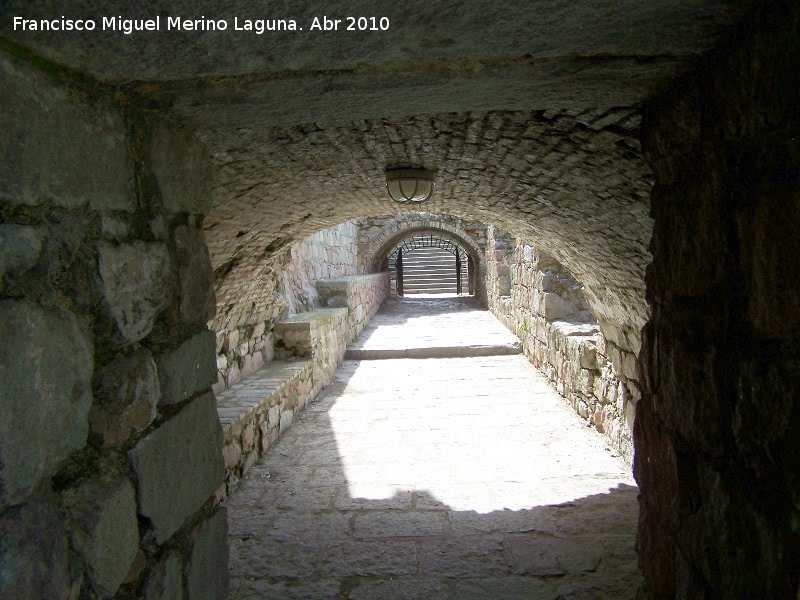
(258, 26)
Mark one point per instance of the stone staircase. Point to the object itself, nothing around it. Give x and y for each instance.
(432, 271)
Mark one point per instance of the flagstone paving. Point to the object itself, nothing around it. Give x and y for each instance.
(438, 478)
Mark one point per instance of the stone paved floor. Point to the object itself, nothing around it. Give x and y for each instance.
(442, 478)
(429, 327)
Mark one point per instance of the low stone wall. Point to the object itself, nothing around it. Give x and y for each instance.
(255, 411)
(309, 347)
(288, 286)
(362, 295)
(537, 299)
(320, 335)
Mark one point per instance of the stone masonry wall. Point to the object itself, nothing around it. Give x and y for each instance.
(538, 300)
(328, 254)
(287, 280)
(110, 445)
(716, 435)
(309, 347)
(361, 295)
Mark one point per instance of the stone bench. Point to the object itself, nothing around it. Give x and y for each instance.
(255, 411)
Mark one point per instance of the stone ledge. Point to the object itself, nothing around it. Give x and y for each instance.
(362, 295)
(434, 352)
(252, 410)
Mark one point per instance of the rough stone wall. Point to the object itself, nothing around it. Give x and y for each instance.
(361, 295)
(716, 435)
(328, 254)
(286, 281)
(110, 445)
(537, 298)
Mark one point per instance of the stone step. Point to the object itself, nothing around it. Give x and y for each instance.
(459, 351)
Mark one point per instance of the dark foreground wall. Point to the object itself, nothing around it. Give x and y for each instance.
(110, 444)
(716, 435)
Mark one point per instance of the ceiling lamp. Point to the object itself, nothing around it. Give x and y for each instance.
(409, 186)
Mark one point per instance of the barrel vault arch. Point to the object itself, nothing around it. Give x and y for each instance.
(375, 253)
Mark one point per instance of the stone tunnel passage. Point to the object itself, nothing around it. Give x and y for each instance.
(431, 478)
(651, 148)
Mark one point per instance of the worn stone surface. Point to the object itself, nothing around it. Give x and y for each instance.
(593, 373)
(471, 502)
(137, 285)
(179, 466)
(196, 281)
(188, 369)
(20, 247)
(165, 581)
(180, 165)
(717, 447)
(46, 361)
(126, 395)
(60, 148)
(430, 328)
(207, 570)
(104, 530)
(436, 478)
(34, 560)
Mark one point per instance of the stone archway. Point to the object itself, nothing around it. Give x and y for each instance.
(374, 252)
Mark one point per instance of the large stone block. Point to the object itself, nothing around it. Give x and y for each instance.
(20, 247)
(34, 553)
(46, 363)
(127, 392)
(165, 581)
(137, 285)
(179, 466)
(181, 166)
(207, 571)
(57, 148)
(195, 278)
(188, 369)
(104, 530)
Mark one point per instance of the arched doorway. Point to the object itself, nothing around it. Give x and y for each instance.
(431, 264)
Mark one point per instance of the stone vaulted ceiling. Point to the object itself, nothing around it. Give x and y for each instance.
(526, 110)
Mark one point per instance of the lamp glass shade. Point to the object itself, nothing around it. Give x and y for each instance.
(409, 185)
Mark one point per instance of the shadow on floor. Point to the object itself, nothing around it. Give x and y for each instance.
(364, 498)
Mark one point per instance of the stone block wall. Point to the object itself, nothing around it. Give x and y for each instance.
(536, 298)
(328, 254)
(321, 336)
(362, 295)
(255, 411)
(716, 436)
(110, 445)
(245, 340)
